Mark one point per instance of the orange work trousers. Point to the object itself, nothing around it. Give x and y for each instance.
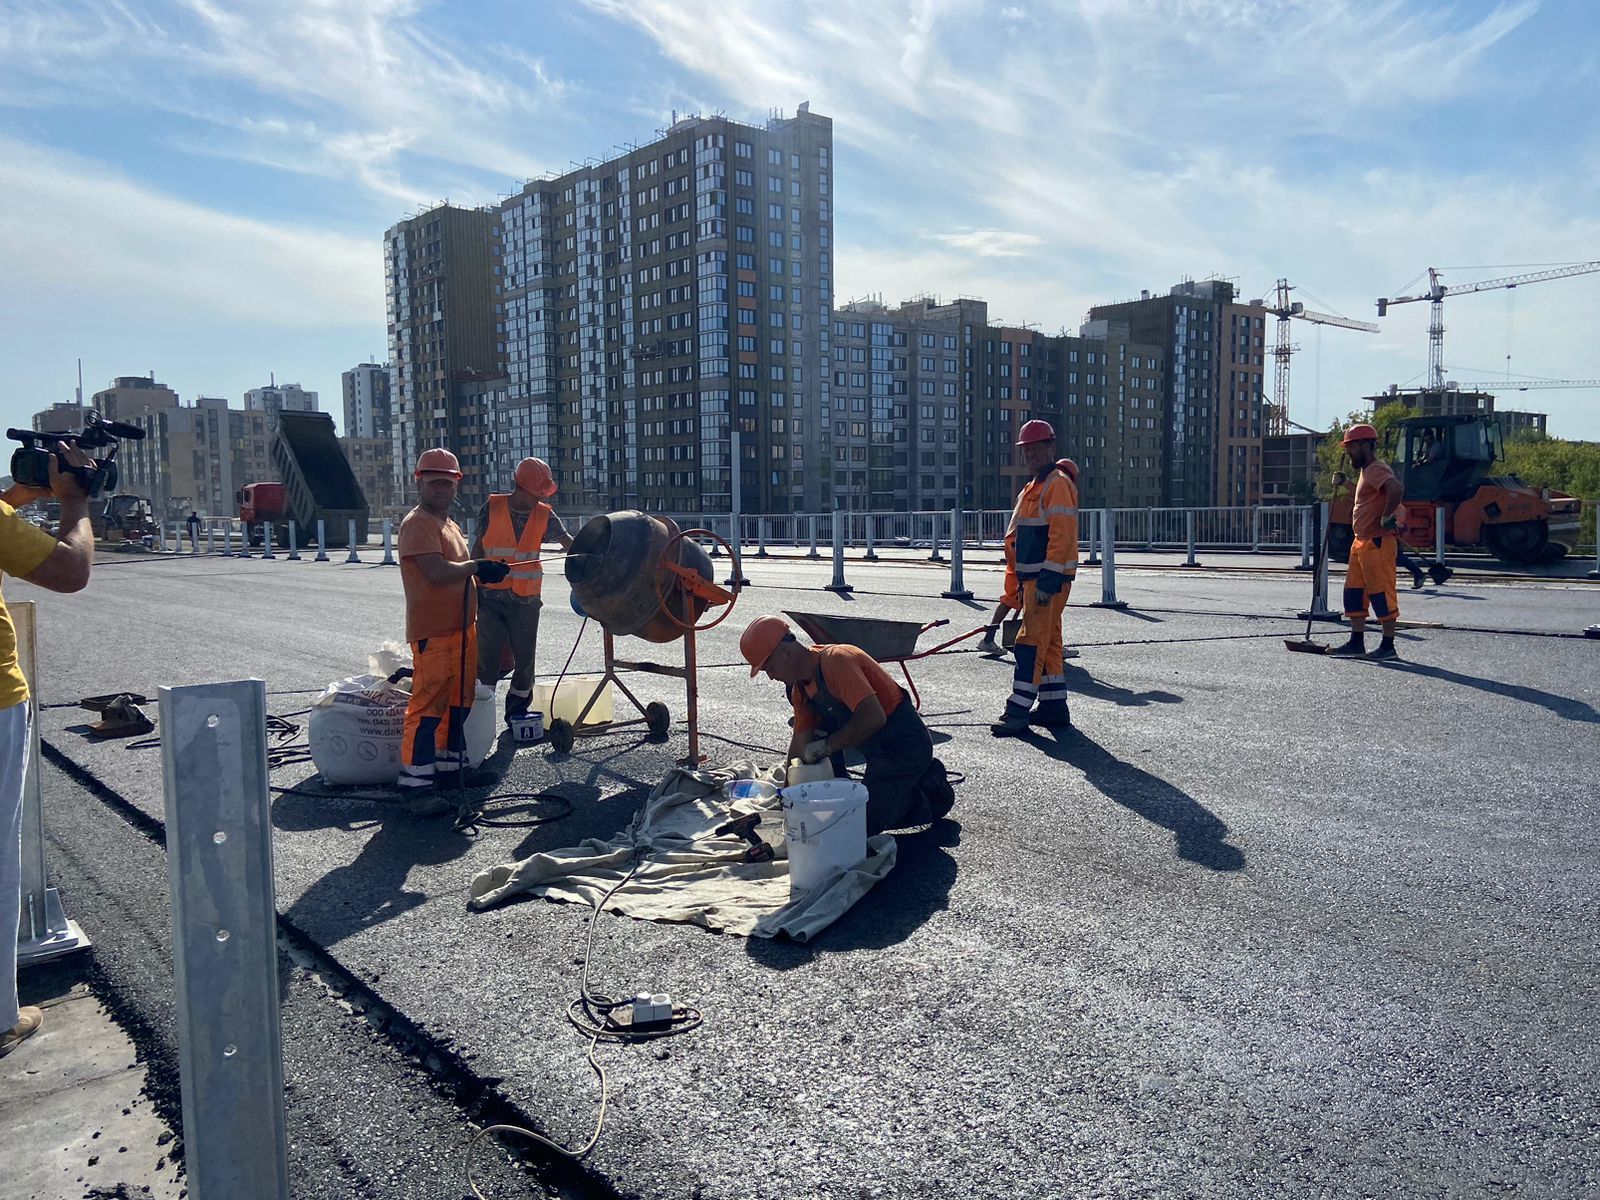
(1039, 674)
(443, 678)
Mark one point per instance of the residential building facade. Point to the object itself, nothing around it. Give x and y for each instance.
(279, 397)
(372, 460)
(131, 394)
(367, 409)
(59, 418)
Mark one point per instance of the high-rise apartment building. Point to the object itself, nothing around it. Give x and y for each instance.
(197, 456)
(1212, 403)
(60, 417)
(367, 410)
(441, 298)
(372, 460)
(279, 397)
(649, 306)
(129, 395)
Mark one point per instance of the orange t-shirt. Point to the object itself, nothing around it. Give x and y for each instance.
(432, 609)
(1369, 500)
(851, 675)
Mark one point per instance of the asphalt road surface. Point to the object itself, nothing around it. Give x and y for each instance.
(1261, 924)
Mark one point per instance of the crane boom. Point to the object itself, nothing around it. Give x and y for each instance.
(1438, 290)
(1318, 318)
(1286, 309)
(1527, 385)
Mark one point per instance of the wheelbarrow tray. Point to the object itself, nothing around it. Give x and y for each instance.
(885, 640)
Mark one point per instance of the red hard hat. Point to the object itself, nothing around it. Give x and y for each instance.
(760, 639)
(1359, 433)
(437, 460)
(1068, 468)
(533, 476)
(1035, 431)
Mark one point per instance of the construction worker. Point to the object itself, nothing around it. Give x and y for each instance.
(844, 699)
(441, 608)
(1011, 597)
(1045, 525)
(512, 528)
(1369, 576)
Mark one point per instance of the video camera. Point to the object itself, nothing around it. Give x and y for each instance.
(30, 463)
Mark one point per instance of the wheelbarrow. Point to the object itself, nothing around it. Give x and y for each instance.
(887, 641)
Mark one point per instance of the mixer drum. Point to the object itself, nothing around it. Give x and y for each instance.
(613, 567)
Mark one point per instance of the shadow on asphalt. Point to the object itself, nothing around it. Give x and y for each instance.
(918, 887)
(1562, 706)
(1199, 832)
(1136, 614)
(1081, 683)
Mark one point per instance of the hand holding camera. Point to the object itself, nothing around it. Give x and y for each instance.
(43, 459)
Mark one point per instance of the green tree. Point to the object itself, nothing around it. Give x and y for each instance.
(1542, 461)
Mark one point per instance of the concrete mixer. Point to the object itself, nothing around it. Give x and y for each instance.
(639, 575)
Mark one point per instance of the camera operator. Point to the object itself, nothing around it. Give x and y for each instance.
(61, 564)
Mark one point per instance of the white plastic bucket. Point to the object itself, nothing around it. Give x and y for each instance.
(527, 728)
(825, 826)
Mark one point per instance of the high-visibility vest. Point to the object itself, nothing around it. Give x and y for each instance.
(500, 541)
(1045, 526)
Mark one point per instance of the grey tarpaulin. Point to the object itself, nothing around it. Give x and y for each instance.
(686, 872)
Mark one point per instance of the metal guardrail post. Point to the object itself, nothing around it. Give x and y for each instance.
(389, 559)
(761, 537)
(1305, 540)
(45, 932)
(224, 940)
(1108, 569)
(227, 540)
(354, 557)
(933, 538)
(1149, 529)
(1438, 535)
(211, 539)
(322, 541)
(266, 541)
(1094, 539)
(838, 584)
(294, 541)
(736, 576)
(1255, 530)
(958, 585)
(813, 553)
(872, 544)
(1188, 533)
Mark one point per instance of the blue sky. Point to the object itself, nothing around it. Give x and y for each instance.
(199, 187)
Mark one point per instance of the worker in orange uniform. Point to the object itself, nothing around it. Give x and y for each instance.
(441, 608)
(512, 528)
(843, 699)
(1011, 597)
(1369, 576)
(1045, 525)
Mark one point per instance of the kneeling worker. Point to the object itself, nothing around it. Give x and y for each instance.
(843, 699)
(512, 528)
(441, 607)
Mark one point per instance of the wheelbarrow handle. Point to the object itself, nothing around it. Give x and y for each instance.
(934, 624)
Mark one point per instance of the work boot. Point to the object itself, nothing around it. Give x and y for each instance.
(1010, 724)
(1385, 650)
(1052, 714)
(28, 1022)
(1356, 647)
(1416, 579)
(988, 645)
(445, 782)
(941, 797)
(517, 706)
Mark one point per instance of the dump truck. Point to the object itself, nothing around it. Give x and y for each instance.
(315, 482)
(1445, 464)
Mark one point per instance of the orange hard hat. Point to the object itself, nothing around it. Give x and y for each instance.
(1035, 431)
(438, 460)
(533, 476)
(1068, 468)
(1359, 433)
(760, 638)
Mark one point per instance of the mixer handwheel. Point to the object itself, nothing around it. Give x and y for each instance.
(562, 737)
(661, 593)
(657, 719)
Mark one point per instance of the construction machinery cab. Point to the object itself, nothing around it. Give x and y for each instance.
(1446, 458)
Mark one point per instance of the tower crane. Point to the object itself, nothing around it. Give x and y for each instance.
(1528, 385)
(1437, 291)
(1285, 310)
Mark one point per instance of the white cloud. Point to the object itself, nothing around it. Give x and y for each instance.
(989, 243)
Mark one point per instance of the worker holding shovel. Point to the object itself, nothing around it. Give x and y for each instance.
(1370, 575)
(512, 527)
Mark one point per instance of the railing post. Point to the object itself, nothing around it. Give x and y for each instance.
(1108, 570)
(211, 539)
(838, 584)
(224, 939)
(872, 549)
(761, 537)
(1188, 534)
(266, 541)
(1305, 540)
(958, 584)
(227, 540)
(1438, 535)
(44, 931)
(355, 557)
(933, 538)
(294, 541)
(813, 554)
(736, 576)
(388, 544)
(1094, 539)
(322, 541)
(161, 535)
(1150, 529)
(1255, 530)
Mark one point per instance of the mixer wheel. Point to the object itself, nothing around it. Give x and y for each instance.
(562, 737)
(657, 719)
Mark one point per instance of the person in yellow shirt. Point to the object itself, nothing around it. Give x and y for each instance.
(60, 563)
(512, 527)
